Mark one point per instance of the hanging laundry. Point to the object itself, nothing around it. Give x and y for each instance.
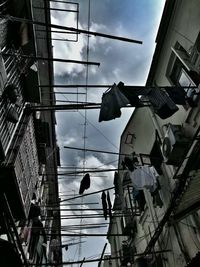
(85, 183)
(177, 94)
(162, 104)
(157, 201)
(147, 177)
(144, 177)
(112, 100)
(133, 93)
(120, 96)
(139, 198)
(129, 164)
(109, 205)
(116, 183)
(104, 205)
(36, 230)
(34, 212)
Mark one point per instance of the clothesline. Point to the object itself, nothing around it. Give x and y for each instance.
(98, 151)
(80, 196)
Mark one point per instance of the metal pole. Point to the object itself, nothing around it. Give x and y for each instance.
(12, 18)
(99, 264)
(77, 85)
(131, 87)
(82, 261)
(52, 59)
(86, 171)
(65, 107)
(56, 9)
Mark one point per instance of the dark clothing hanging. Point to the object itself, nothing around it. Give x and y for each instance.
(116, 183)
(8, 255)
(157, 201)
(133, 94)
(34, 211)
(132, 97)
(139, 198)
(85, 183)
(112, 100)
(129, 164)
(109, 205)
(177, 94)
(104, 205)
(120, 96)
(162, 104)
(36, 230)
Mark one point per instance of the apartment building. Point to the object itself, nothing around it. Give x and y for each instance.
(30, 216)
(159, 223)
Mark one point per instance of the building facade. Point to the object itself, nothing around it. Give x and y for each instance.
(30, 215)
(159, 223)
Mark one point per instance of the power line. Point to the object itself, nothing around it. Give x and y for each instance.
(97, 260)
(98, 151)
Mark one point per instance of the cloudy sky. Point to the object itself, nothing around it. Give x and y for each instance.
(119, 61)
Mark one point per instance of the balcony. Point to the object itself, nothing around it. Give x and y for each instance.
(20, 169)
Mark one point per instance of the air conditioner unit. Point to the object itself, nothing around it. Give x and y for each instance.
(175, 145)
(3, 75)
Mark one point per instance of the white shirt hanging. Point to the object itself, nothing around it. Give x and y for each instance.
(144, 177)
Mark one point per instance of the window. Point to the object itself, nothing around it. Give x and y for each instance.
(182, 72)
(129, 138)
(179, 63)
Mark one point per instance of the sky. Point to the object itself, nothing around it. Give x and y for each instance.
(119, 61)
